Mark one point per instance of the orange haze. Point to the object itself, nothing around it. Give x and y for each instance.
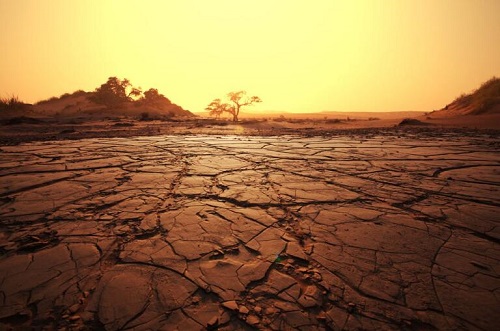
(298, 56)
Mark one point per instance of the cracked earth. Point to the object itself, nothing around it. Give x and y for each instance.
(233, 233)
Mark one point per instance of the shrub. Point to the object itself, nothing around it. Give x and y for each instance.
(411, 121)
(280, 119)
(12, 103)
(145, 117)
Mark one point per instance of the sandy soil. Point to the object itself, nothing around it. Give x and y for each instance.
(17, 130)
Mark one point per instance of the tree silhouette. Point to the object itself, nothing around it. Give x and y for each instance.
(115, 92)
(152, 96)
(237, 101)
(217, 107)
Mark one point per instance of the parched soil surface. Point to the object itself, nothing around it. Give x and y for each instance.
(347, 232)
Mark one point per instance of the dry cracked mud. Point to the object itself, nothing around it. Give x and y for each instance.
(235, 233)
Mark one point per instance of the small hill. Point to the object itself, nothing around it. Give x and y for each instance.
(80, 103)
(68, 104)
(483, 101)
(12, 105)
(114, 98)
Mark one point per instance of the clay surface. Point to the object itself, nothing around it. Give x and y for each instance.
(236, 232)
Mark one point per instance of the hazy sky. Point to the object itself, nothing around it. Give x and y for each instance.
(296, 55)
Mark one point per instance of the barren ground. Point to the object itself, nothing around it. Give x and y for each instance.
(376, 229)
(16, 130)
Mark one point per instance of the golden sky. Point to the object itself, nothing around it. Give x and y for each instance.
(298, 56)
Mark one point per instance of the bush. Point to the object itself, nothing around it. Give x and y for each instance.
(41, 102)
(12, 103)
(411, 121)
(145, 117)
(280, 119)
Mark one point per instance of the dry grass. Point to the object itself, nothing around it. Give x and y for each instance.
(11, 103)
(481, 100)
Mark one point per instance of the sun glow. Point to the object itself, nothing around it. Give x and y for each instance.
(327, 55)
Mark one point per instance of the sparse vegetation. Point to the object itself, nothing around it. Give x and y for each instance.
(115, 92)
(282, 118)
(12, 103)
(411, 121)
(115, 96)
(236, 101)
(481, 100)
(145, 117)
(77, 93)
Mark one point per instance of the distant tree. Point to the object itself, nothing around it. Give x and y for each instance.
(237, 100)
(135, 92)
(152, 96)
(217, 107)
(115, 92)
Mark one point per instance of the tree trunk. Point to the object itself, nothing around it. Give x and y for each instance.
(236, 113)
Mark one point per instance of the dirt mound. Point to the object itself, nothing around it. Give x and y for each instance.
(411, 121)
(483, 101)
(67, 104)
(105, 101)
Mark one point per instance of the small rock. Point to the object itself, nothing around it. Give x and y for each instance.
(213, 323)
(232, 305)
(257, 309)
(74, 318)
(218, 254)
(253, 320)
(244, 310)
(87, 316)
(317, 277)
(224, 317)
(74, 308)
(271, 311)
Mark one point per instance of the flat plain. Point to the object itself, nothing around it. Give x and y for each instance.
(382, 231)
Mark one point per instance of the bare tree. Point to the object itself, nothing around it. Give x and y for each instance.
(217, 107)
(237, 101)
